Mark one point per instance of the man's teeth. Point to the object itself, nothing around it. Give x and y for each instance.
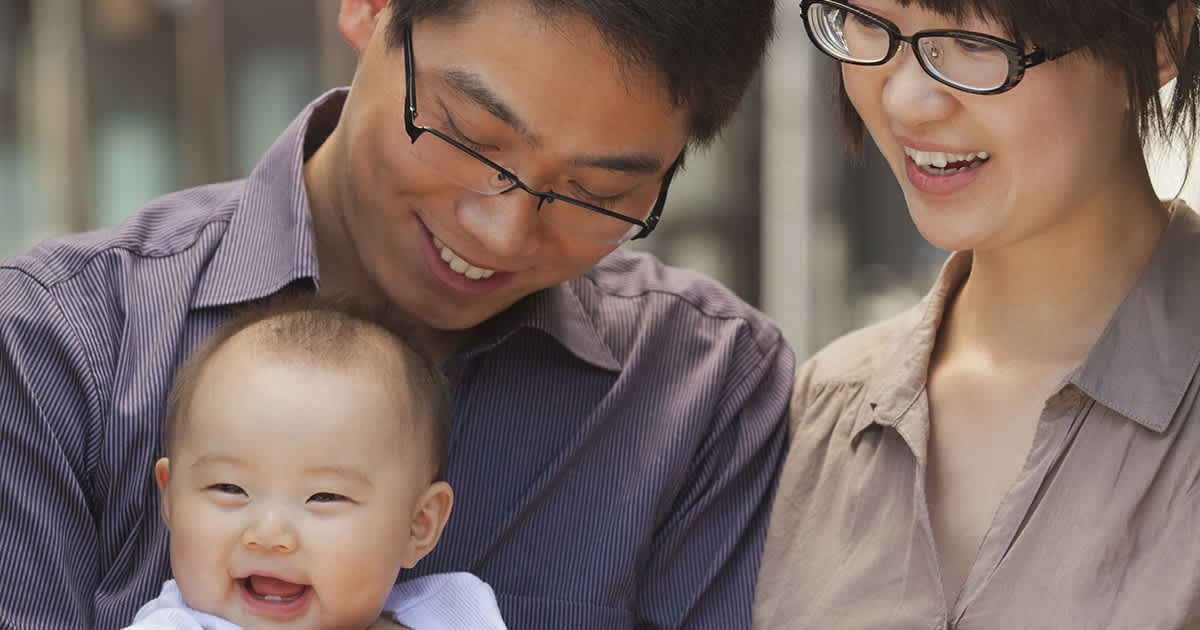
(459, 265)
(939, 159)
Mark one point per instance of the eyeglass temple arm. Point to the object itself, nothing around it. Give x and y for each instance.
(410, 88)
(1037, 55)
(651, 221)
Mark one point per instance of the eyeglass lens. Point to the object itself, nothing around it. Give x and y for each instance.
(974, 64)
(567, 215)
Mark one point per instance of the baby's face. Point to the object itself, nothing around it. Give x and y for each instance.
(293, 493)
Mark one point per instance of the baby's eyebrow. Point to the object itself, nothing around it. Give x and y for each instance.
(213, 459)
(341, 471)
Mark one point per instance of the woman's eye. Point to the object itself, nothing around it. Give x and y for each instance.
(327, 497)
(974, 47)
(227, 488)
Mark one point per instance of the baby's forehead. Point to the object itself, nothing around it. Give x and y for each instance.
(364, 348)
(242, 382)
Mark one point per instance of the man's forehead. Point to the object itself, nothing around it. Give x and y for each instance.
(517, 99)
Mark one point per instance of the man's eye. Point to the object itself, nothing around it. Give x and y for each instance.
(462, 138)
(327, 497)
(598, 200)
(227, 488)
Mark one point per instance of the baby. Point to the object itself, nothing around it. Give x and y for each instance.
(305, 443)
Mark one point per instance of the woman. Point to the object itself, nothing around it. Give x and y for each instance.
(1021, 449)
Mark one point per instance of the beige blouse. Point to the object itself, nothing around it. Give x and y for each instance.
(1101, 528)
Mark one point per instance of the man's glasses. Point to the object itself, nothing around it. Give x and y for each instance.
(965, 60)
(628, 217)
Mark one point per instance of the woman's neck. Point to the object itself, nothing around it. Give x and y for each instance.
(1046, 300)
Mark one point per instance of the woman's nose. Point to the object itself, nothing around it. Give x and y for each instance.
(912, 97)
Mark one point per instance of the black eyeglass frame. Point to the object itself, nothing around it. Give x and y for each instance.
(414, 131)
(1018, 59)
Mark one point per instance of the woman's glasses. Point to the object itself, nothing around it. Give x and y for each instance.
(965, 60)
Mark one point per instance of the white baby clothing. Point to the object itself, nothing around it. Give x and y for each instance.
(442, 601)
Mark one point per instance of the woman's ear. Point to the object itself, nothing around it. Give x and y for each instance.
(162, 474)
(428, 521)
(357, 19)
(1181, 22)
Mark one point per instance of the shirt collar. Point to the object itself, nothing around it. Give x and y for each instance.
(1140, 366)
(269, 242)
(558, 312)
(1146, 357)
(900, 377)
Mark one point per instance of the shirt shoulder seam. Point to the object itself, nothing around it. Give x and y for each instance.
(86, 262)
(762, 350)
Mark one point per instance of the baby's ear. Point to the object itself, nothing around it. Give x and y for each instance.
(428, 521)
(162, 474)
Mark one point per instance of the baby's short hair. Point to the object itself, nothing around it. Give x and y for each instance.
(323, 332)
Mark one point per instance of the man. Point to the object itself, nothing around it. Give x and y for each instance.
(618, 424)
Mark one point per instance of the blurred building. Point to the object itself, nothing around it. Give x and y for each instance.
(106, 104)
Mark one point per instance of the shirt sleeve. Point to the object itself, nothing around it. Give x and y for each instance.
(706, 558)
(48, 408)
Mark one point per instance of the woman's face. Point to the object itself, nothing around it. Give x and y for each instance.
(988, 171)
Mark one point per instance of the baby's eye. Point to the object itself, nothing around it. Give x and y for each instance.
(227, 488)
(327, 497)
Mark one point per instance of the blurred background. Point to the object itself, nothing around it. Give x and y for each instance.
(106, 104)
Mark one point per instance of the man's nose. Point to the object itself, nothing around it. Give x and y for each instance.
(507, 225)
(270, 530)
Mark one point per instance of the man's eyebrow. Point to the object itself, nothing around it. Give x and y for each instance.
(633, 163)
(473, 87)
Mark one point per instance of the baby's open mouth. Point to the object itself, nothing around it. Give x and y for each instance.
(273, 590)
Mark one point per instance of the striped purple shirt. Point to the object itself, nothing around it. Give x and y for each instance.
(616, 441)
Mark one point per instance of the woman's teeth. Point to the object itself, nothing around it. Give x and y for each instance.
(942, 163)
(459, 265)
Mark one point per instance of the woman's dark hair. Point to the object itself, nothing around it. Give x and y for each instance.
(1120, 33)
(707, 51)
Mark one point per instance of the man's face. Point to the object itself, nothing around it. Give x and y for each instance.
(293, 492)
(544, 99)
